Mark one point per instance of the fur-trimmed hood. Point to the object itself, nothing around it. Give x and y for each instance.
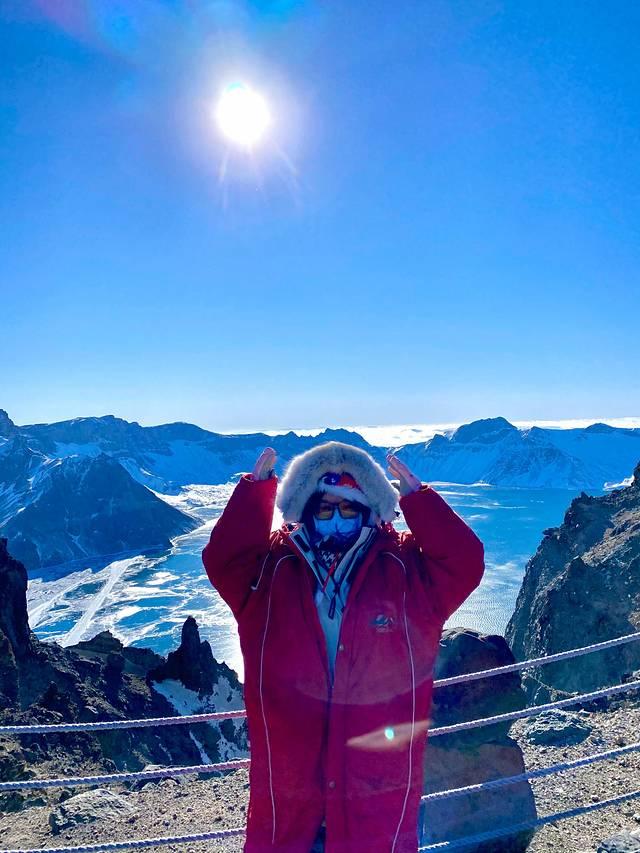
(300, 479)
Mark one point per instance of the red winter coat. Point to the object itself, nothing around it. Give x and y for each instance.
(352, 754)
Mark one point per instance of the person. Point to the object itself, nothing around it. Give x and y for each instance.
(339, 617)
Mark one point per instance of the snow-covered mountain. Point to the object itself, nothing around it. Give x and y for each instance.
(166, 458)
(170, 456)
(77, 488)
(494, 451)
(55, 510)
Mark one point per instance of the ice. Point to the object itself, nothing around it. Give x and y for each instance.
(80, 631)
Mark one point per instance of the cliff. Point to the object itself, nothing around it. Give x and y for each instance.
(582, 586)
(103, 680)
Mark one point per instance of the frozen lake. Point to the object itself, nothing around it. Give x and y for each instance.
(145, 600)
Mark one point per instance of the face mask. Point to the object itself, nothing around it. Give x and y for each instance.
(338, 526)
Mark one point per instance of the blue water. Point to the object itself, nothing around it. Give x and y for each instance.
(145, 600)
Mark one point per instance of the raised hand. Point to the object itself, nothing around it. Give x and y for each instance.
(264, 464)
(408, 481)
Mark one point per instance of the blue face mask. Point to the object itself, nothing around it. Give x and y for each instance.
(341, 528)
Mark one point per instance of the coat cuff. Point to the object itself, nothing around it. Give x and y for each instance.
(424, 487)
(250, 479)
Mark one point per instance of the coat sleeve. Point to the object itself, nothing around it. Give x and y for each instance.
(452, 555)
(240, 540)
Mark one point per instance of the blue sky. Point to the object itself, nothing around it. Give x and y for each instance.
(443, 224)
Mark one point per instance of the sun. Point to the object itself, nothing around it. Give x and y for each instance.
(242, 115)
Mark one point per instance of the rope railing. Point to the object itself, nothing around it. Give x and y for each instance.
(242, 763)
(217, 835)
(106, 846)
(502, 831)
(440, 730)
(107, 725)
(133, 776)
(55, 728)
(103, 725)
(535, 709)
(513, 667)
(562, 767)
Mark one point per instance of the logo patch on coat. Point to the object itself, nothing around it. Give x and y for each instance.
(382, 623)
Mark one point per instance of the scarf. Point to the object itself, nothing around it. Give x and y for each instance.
(333, 569)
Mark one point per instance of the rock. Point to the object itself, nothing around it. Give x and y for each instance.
(193, 663)
(99, 804)
(555, 727)
(627, 841)
(455, 817)
(141, 784)
(138, 661)
(113, 672)
(14, 801)
(43, 683)
(478, 754)
(8, 672)
(14, 624)
(464, 650)
(103, 644)
(7, 426)
(582, 586)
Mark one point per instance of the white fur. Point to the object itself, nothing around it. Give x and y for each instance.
(300, 479)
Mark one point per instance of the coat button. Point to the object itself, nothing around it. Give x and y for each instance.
(332, 783)
(341, 647)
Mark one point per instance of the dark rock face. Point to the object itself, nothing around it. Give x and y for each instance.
(80, 506)
(478, 754)
(14, 624)
(7, 426)
(582, 587)
(99, 679)
(193, 663)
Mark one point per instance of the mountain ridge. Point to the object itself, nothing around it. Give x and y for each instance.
(165, 458)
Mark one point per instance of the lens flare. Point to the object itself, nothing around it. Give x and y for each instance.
(242, 115)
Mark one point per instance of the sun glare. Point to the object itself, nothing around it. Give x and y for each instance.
(242, 115)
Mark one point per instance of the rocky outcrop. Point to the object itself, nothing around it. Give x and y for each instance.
(99, 679)
(194, 682)
(581, 587)
(15, 636)
(478, 754)
(193, 663)
(7, 426)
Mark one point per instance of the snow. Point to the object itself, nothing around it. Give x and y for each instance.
(64, 449)
(394, 435)
(223, 698)
(208, 502)
(9, 500)
(204, 758)
(623, 485)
